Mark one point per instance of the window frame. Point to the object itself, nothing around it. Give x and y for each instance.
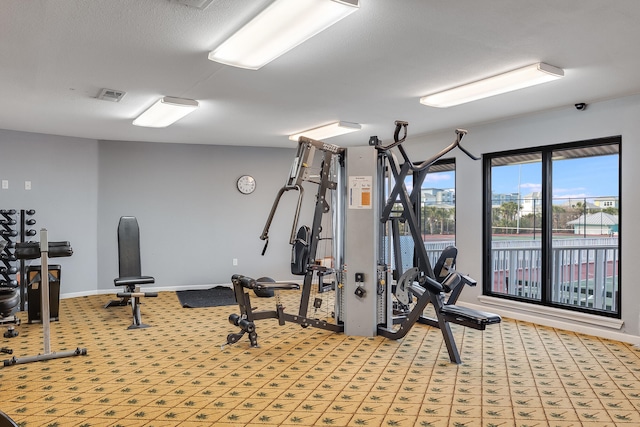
(546, 152)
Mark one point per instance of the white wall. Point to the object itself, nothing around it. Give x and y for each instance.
(616, 117)
(193, 221)
(64, 178)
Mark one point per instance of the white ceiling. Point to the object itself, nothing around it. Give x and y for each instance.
(370, 68)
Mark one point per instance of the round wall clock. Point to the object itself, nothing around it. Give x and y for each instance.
(246, 184)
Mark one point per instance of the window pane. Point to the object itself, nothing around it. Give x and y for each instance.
(585, 228)
(435, 210)
(438, 195)
(438, 209)
(516, 218)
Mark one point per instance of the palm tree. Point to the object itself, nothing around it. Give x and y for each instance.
(442, 215)
(510, 210)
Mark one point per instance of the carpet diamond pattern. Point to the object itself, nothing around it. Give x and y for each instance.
(178, 373)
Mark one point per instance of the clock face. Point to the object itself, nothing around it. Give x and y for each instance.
(246, 184)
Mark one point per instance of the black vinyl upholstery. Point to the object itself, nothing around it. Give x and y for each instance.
(129, 254)
(130, 270)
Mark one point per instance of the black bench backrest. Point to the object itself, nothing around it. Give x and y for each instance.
(129, 247)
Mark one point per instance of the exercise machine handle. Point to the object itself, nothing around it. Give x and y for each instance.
(265, 231)
(397, 140)
(302, 160)
(465, 151)
(400, 126)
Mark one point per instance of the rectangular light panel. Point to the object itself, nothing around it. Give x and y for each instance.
(327, 131)
(513, 80)
(283, 25)
(166, 111)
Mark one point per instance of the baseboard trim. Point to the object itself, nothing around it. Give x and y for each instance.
(598, 326)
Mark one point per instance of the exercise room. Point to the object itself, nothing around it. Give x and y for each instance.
(319, 213)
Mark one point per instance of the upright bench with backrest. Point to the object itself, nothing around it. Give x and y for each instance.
(130, 270)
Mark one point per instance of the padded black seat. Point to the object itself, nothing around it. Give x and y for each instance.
(265, 287)
(469, 317)
(264, 283)
(130, 270)
(276, 286)
(445, 263)
(134, 280)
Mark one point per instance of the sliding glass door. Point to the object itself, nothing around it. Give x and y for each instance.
(552, 225)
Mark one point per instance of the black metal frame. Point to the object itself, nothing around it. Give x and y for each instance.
(245, 320)
(423, 283)
(425, 286)
(546, 235)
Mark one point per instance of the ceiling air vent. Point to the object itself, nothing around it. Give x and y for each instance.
(198, 4)
(111, 95)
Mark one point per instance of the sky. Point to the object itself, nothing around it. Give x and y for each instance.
(585, 177)
(444, 180)
(572, 178)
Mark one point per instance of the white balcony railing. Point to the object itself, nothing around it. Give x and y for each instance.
(582, 275)
(584, 271)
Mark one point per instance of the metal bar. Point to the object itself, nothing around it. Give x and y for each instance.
(599, 280)
(24, 281)
(44, 290)
(58, 355)
(572, 275)
(321, 208)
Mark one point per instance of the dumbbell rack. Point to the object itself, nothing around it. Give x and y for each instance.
(26, 221)
(8, 269)
(12, 232)
(8, 232)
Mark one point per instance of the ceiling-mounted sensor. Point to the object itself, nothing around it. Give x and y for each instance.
(198, 4)
(111, 95)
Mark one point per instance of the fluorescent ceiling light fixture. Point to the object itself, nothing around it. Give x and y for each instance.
(327, 131)
(283, 25)
(166, 111)
(513, 80)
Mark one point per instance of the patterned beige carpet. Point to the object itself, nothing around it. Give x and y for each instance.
(176, 374)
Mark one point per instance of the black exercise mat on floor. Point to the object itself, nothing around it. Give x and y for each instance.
(213, 297)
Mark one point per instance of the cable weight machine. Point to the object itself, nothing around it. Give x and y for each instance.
(369, 299)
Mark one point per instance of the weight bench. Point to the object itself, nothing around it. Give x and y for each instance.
(245, 320)
(130, 270)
